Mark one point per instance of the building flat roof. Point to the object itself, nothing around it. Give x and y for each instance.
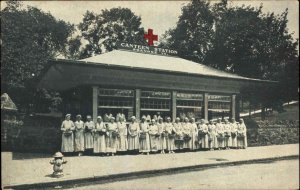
(158, 62)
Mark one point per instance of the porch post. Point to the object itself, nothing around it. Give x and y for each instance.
(95, 103)
(233, 105)
(205, 105)
(174, 94)
(138, 103)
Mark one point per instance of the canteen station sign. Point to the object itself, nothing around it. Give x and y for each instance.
(146, 49)
(150, 49)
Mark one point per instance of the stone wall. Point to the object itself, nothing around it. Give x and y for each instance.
(273, 132)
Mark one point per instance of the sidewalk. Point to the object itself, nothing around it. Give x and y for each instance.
(35, 172)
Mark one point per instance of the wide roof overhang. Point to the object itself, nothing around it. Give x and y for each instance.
(131, 70)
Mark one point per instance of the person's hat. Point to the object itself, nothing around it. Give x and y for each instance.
(168, 118)
(152, 120)
(68, 115)
(143, 117)
(99, 117)
(132, 118)
(193, 119)
(219, 119)
(160, 118)
(89, 117)
(58, 155)
(112, 118)
(78, 116)
(177, 119)
(241, 119)
(186, 119)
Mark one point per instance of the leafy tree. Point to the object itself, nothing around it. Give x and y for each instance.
(193, 35)
(102, 31)
(29, 37)
(241, 40)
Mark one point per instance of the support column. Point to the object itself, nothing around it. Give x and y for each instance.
(233, 107)
(95, 103)
(205, 106)
(138, 103)
(174, 95)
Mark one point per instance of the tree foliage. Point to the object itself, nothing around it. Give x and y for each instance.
(241, 40)
(100, 32)
(29, 37)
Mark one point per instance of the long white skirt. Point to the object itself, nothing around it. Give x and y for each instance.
(79, 141)
(133, 142)
(67, 143)
(88, 140)
(99, 143)
(145, 144)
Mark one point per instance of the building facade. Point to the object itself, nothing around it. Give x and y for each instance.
(145, 84)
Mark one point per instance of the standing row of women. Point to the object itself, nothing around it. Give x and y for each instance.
(154, 136)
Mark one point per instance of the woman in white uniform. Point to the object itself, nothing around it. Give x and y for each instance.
(144, 137)
(122, 138)
(194, 135)
(203, 134)
(242, 135)
(234, 129)
(67, 128)
(112, 135)
(133, 135)
(99, 137)
(89, 127)
(79, 135)
(154, 136)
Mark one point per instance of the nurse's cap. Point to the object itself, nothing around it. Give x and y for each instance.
(112, 118)
(99, 117)
(89, 117)
(132, 117)
(78, 116)
(160, 118)
(68, 115)
(168, 118)
(153, 120)
(177, 119)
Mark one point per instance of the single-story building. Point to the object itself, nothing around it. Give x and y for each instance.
(139, 84)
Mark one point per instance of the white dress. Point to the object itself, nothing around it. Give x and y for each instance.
(186, 128)
(154, 138)
(203, 138)
(67, 128)
(179, 135)
(144, 142)
(133, 136)
(234, 129)
(79, 136)
(170, 137)
(227, 132)
(111, 140)
(99, 138)
(88, 135)
(194, 135)
(122, 139)
(242, 141)
(220, 132)
(162, 137)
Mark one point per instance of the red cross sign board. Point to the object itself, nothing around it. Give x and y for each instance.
(150, 37)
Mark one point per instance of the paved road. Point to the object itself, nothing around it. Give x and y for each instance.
(275, 175)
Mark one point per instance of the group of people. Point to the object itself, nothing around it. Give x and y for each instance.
(150, 135)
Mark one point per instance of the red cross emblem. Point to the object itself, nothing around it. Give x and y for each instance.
(151, 37)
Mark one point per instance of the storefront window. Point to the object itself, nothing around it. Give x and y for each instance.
(114, 101)
(155, 100)
(219, 106)
(189, 105)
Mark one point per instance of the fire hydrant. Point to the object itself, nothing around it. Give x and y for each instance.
(57, 163)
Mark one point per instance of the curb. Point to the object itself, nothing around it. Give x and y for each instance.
(141, 174)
